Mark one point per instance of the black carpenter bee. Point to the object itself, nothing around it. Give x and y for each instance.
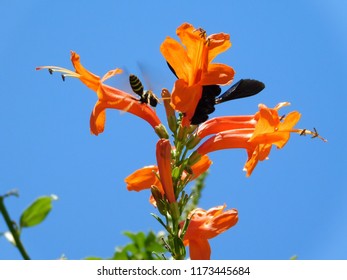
(243, 88)
(146, 96)
(211, 96)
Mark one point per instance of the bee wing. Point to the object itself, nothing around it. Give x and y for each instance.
(243, 88)
(172, 70)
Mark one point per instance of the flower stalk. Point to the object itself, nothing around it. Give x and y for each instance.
(13, 229)
(182, 159)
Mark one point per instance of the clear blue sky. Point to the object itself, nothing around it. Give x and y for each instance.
(294, 203)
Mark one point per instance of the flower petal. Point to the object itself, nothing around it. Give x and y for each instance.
(176, 56)
(143, 178)
(185, 98)
(219, 124)
(230, 139)
(117, 99)
(218, 74)
(88, 78)
(269, 129)
(199, 249)
(191, 39)
(223, 221)
(205, 225)
(111, 73)
(98, 118)
(260, 153)
(217, 43)
(201, 166)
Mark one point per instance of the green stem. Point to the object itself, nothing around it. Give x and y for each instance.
(13, 230)
(184, 155)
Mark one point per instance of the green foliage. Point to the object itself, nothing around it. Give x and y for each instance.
(32, 216)
(295, 257)
(196, 192)
(37, 211)
(141, 247)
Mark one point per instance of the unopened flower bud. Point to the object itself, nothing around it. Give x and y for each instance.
(192, 142)
(194, 158)
(170, 112)
(161, 131)
(158, 197)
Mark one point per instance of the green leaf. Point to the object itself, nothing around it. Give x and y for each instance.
(142, 247)
(37, 211)
(137, 238)
(180, 250)
(93, 258)
(120, 255)
(159, 220)
(154, 243)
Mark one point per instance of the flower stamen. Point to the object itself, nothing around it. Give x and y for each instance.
(65, 72)
(202, 32)
(314, 133)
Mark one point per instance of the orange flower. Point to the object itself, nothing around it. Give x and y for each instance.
(192, 65)
(219, 124)
(201, 166)
(108, 97)
(143, 178)
(269, 130)
(229, 139)
(205, 225)
(163, 153)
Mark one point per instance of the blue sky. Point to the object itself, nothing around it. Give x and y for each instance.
(293, 204)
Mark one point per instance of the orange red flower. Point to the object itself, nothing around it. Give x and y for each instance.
(205, 225)
(218, 124)
(143, 178)
(260, 132)
(108, 97)
(148, 176)
(163, 153)
(200, 167)
(192, 63)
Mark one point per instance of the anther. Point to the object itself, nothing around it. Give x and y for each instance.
(303, 132)
(202, 32)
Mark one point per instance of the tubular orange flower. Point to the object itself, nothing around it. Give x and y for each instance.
(163, 153)
(201, 166)
(269, 130)
(143, 178)
(146, 177)
(205, 225)
(192, 65)
(108, 97)
(229, 139)
(219, 124)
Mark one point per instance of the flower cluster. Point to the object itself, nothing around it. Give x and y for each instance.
(185, 157)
